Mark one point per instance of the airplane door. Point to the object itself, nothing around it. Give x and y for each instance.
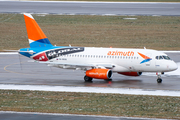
(158, 62)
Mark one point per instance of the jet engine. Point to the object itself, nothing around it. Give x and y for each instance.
(99, 73)
(130, 73)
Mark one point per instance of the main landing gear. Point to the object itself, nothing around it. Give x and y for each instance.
(159, 80)
(87, 79)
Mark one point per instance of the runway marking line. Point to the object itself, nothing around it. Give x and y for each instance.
(14, 71)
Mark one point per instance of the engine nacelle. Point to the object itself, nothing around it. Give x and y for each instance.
(99, 73)
(131, 73)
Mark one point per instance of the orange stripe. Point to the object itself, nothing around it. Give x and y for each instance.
(33, 30)
(143, 56)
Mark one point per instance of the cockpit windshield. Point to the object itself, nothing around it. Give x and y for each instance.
(163, 57)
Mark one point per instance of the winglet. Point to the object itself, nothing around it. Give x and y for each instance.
(36, 36)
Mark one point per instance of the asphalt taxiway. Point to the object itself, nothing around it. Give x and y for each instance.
(9, 115)
(91, 8)
(19, 70)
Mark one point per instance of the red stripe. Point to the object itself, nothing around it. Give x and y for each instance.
(41, 57)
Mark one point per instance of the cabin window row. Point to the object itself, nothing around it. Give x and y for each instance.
(101, 56)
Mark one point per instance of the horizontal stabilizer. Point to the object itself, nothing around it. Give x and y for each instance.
(30, 52)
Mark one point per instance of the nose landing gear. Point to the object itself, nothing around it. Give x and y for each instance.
(159, 80)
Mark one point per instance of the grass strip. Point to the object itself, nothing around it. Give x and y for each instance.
(90, 104)
(153, 32)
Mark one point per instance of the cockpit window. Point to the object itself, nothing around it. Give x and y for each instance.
(163, 57)
(166, 58)
(160, 57)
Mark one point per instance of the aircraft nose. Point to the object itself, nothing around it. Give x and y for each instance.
(173, 66)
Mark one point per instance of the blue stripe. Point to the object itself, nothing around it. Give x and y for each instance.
(41, 43)
(146, 60)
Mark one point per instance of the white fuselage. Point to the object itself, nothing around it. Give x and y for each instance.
(118, 59)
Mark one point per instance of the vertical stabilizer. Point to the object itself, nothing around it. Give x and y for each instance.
(36, 36)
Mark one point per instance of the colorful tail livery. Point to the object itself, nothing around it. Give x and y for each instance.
(35, 35)
(99, 63)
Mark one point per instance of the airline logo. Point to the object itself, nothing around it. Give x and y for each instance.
(121, 53)
(51, 54)
(147, 59)
(63, 51)
(129, 53)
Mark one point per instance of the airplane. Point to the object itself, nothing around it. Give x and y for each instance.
(98, 63)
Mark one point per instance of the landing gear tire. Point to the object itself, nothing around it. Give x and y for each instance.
(87, 79)
(159, 80)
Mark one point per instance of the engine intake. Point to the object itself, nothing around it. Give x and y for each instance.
(99, 73)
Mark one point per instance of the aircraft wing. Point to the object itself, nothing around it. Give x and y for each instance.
(88, 65)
